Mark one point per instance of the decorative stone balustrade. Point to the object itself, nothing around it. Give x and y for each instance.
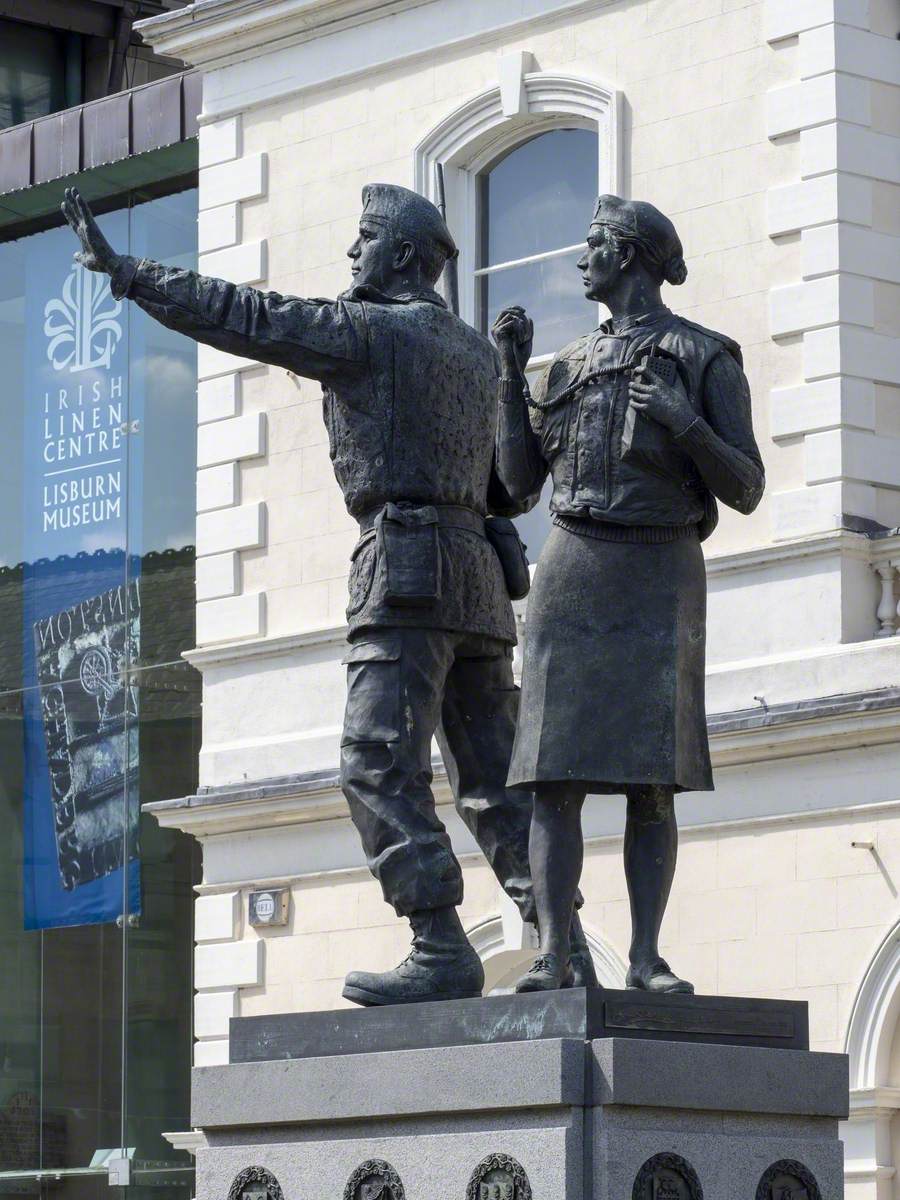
(885, 562)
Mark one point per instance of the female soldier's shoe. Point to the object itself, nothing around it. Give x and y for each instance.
(656, 976)
(442, 965)
(545, 975)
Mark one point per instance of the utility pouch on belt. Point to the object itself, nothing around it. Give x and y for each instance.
(408, 547)
(504, 537)
(645, 443)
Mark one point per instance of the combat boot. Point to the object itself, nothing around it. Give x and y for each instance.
(442, 965)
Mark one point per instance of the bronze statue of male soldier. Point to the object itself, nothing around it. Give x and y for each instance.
(410, 401)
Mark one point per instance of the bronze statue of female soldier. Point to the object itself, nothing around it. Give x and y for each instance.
(642, 424)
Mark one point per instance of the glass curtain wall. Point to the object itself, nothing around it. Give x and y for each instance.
(534, 207)
(98, 715)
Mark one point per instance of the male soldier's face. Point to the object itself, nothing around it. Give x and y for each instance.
(374, 255)
(600, 265)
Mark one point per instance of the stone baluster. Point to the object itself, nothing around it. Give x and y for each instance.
(887, 606)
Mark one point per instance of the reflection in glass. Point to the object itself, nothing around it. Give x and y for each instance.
(95, 899)
(540, 196)
(552, 292)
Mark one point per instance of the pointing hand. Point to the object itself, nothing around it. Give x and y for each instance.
(96, 254)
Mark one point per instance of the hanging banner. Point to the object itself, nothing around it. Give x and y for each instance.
(81, 593)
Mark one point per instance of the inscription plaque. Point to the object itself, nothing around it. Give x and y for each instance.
(374, 1179)
(667, 1177)
(788, 1180)
(255, 1183)
(499, 1177)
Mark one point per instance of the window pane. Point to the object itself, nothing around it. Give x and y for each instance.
(32, 72)
(551, 292)
(540, 196)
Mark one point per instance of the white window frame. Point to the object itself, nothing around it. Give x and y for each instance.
(482, 130)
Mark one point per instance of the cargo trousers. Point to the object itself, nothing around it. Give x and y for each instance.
(404, 685)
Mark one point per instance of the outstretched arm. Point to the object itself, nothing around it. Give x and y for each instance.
(318, 339)
(519, 463)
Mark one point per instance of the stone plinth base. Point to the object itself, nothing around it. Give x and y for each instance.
(553, 1117)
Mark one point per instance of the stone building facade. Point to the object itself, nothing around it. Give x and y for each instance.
(770, 132)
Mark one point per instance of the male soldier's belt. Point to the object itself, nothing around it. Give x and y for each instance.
(449, 516)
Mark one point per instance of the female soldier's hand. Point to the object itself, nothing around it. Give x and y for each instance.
(655, 398)
(513, 332)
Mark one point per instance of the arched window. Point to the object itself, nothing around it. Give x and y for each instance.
(533, 208)
(521, 184)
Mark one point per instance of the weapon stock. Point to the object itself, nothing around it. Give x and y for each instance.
(450, 275)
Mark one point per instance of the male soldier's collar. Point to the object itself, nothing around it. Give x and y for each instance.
(365, 291)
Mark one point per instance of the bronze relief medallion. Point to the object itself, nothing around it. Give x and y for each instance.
(255, 1183)
(374, 1179)
(667, 1177)
(788, 1179)
(499, 1177)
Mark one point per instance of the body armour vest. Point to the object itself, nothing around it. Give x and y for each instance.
(582, 400)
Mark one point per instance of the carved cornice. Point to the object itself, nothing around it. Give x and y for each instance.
(215, 32)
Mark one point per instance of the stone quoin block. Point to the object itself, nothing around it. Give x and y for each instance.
(229, 964)
(241, 179)
(245, 263)
(850, 248)
(218, 227)
(826, 301)
(852, 454)
(217, 487)
(213, 1053)
(218, 575)
(216, 917)
(835, 197)
(218, 398)
(232, 439)
(211, 362)
(231, 619)
(825, 404)
(817, 101)
(213, 1011)
(783, 20)
(220, 141)
(855, 51)
(239, 528)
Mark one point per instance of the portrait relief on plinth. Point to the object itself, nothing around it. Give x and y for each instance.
(374, 1179)
(499, 1177)
(667, 1177)
(788, 1179)
(255, 1183)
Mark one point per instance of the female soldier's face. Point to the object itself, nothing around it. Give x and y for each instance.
(600, 265)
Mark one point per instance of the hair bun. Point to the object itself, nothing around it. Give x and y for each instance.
(675, 270)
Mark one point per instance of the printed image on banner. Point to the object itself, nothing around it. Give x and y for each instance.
(81, 593)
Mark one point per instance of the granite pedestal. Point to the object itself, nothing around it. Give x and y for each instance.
(600, 1096)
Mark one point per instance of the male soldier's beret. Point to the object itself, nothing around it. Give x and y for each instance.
(643, 223)
(410, 214)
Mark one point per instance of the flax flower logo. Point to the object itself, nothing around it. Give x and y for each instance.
(82, 325)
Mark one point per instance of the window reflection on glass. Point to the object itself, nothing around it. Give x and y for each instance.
(535, 205)
(539, 197)
(551, 291)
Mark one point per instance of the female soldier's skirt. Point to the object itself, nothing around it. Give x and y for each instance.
(614, 672)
